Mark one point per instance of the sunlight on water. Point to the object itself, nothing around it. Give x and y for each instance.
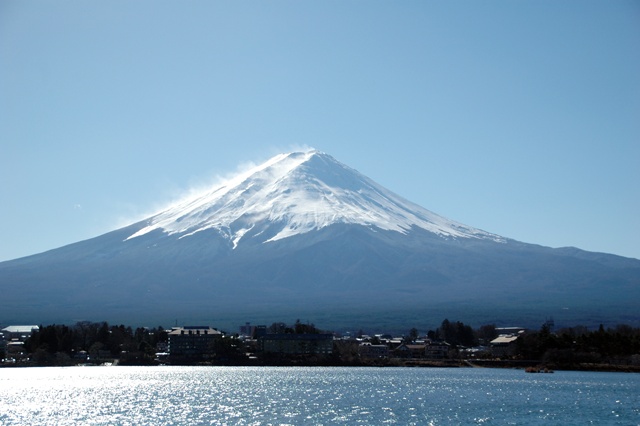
(314, 396)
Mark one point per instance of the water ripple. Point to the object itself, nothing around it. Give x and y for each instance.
(314, 396)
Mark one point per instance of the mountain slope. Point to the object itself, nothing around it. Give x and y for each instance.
(304, 236)
(296, 193)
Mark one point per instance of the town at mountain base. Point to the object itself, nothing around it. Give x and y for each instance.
(452, 344)
(305, 236)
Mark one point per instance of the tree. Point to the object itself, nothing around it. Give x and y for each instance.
(413, 335)
(487, 333)
(300, 328)
(456, 333)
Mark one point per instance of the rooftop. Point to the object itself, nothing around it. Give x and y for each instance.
(21, 328)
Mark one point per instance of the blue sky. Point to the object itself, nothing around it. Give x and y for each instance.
(519, 118)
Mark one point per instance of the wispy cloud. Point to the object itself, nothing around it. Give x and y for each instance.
(133, 213)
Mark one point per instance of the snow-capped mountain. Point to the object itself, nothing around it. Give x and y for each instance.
(304, 236)
(296, 193)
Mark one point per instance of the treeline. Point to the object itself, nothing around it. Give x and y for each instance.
(297, 328)
(569, 347)
(65, 345)
(90, 342)
(563, 348)
(459, 334)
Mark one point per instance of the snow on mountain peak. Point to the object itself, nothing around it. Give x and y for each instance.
(295, 193)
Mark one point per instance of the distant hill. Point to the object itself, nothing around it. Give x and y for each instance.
(303, 236)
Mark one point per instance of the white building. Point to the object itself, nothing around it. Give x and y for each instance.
(20, 332)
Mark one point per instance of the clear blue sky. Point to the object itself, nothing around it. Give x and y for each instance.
(521, 118)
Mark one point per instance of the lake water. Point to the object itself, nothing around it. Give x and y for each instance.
(313, 396)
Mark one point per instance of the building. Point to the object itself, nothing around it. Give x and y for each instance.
(410, 351)
(19, 332)
(12, 341)
(370, 351)
(437, 350)
(192, 342)
(504, 345)
(297, 344)
(253, 331)
(506, 331)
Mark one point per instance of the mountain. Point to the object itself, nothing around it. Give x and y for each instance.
(303, 236)
(293, 194)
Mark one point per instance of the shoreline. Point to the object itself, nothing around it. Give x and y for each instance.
(523, 365)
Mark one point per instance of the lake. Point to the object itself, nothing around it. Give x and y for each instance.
(174, 395)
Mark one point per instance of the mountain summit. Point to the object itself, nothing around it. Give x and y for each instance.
(296, 193)
(304, 236)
